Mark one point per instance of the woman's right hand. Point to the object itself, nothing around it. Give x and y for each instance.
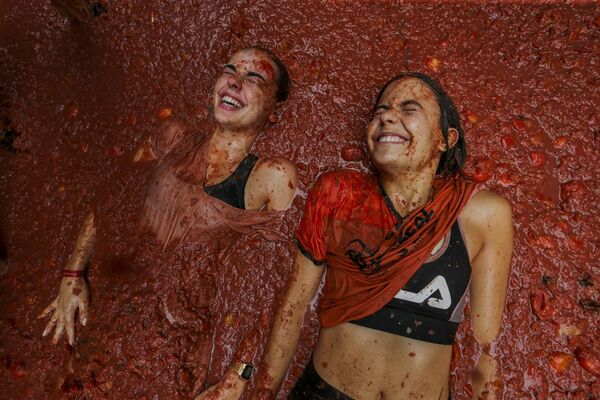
(73, 295)
(230, 387)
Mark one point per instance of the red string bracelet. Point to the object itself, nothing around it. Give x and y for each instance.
(71, 273)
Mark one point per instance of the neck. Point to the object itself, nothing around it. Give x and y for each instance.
(236, 144)
(407, 190)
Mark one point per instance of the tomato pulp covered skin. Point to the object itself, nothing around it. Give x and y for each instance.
(79, 100)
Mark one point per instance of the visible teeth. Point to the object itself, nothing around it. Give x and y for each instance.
(391, 139)
(231, 101)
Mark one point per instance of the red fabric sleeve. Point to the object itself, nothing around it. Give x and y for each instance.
(309, 236)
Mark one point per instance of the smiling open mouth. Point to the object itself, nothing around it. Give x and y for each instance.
(392, 139)
(230, 101)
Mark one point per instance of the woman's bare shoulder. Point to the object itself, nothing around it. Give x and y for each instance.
(488, 213)
(277, 179)
(486, 203)
(276, 165)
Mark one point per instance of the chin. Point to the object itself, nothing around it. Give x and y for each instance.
(383, 159)
(232, 124)
(224, 117)
(389, 163)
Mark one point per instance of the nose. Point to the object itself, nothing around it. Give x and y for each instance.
(388, 117)
(234, 82)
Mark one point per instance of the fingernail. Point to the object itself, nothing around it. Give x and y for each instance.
(84, 321)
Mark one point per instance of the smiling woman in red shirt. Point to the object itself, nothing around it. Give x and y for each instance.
(402, 250)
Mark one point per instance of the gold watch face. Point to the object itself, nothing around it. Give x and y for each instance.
(244, 370)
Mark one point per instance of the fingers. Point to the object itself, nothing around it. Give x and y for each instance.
(50, 325)
(47, 310)
(204, 395)
(60, 329)
(83, 312)
(64, 320)
(71, 330)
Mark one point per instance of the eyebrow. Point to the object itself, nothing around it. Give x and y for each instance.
(403, 104)
(250, 73)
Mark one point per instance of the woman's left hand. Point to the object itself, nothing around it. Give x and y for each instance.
(484, 378)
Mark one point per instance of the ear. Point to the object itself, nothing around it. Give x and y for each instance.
(274, 117)
(452, 138)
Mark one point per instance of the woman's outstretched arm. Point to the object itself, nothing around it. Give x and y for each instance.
(493, 220)
(305, 280)
(281, 347)
(73, 294)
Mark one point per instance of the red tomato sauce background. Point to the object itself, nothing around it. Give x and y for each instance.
(81, 98)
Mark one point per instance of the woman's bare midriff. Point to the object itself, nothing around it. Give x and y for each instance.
(367, 364)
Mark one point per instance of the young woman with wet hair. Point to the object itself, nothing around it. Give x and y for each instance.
(402, 251)
(208, 188)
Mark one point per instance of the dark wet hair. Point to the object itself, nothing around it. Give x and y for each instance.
(454, 158)
(283, 77)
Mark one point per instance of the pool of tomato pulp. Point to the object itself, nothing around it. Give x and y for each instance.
(77, 100)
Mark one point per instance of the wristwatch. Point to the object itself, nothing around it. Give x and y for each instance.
(244, 370)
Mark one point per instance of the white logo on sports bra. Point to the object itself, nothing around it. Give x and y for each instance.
(438, 283)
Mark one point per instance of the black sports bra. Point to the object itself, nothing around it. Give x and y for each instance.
(232, 189)
(430, 306)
